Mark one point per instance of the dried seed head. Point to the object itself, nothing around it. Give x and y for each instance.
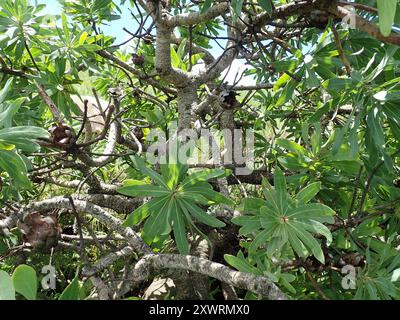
(138, 60)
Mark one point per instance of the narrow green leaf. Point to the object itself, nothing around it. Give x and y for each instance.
(5, 89)
(193, 196)
(141, 213)
(308, 193)
(202, 216)
(317, 228)
(147, 190)
(252, 205)
(314, 211)
(311, 244)
(202, 175)
(266, 5)
(209, 194)
(158, 223)
(141, 166)
(292, 146)
(240, 264)
(297, 245)
(280, 188)
(175, 59)
(8, 111)
(178, 225)
(15, 166)
(206, 5)
(249, 224)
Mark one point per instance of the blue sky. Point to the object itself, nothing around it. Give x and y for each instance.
(115, 28)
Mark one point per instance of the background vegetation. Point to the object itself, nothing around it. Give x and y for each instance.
(78, 195)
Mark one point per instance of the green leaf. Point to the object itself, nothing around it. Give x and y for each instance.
(173, 173)
(8, 111)
(206, 5)
(7, 290)
(202, 216)
(260, 239)
(6, 146)
(146, 190)
(338, 84)
(374, 125)
(175, 59)
(4, 91)
(249, 224)
(193, 196)
(25, 145)
(178, 225)
(339, 134)
(287, 93)
(158, 222)
(202, 175)
(209, 194)
(240, 264)
(291, 146)
(25, 281)
(310, 242)
(27, 132)
(65, 26)
(308, 193)
(101, 4)
(252, 205)
(72, 291)
(141, 213)
(281, 191)
(297, 245)
(311, 80)
(317, 228)
(314, 211)
(382, 64)
(237, 7)
(141, 166)
(266, 5)
(82, 38)
(387, 12)
(15, 166)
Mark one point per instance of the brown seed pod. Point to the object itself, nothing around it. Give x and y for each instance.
(62, 136)
(115, 92)
(138, 132)
(319, 19)
(138, 60)
(353, 258)
(229, 100)
(148, 39)
(40, 232)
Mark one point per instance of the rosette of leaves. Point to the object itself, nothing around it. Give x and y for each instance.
(379, 279)
(175, 199)
(285, 220)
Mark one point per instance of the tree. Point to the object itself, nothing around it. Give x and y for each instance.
(300, 202)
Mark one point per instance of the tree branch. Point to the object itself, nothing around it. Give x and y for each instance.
(257, 284)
